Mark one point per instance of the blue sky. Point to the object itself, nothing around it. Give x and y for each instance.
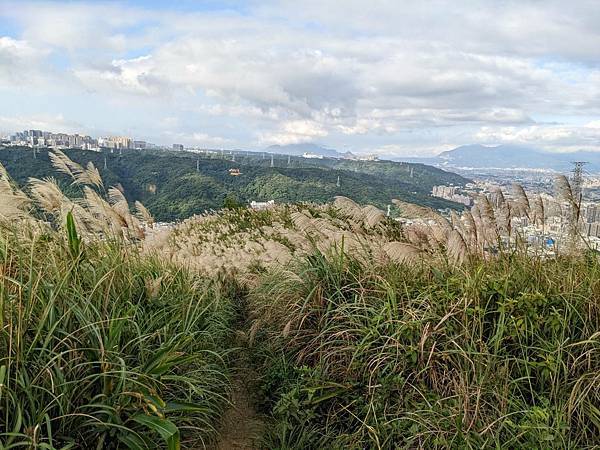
(392, 78)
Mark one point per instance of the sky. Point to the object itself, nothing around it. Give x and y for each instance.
(386, 77)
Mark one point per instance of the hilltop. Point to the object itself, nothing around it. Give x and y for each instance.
(176, 185)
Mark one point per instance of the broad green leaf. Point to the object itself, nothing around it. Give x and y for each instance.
(164, 427)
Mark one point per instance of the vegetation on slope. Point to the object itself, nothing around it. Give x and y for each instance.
(442, 333)
(106, 348)
(169, 185)
(492, 354)
(101, 346)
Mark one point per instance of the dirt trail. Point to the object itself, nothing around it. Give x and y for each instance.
(241, 426)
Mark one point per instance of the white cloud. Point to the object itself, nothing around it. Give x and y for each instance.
(126, 75)
(392, 75)
(56, 123)
(18, 62)
(549, 137)
(294, 132)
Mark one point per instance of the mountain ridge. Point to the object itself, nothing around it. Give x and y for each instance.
(508, 156)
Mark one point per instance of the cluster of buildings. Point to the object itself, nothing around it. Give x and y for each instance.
(39, 138)
(590, 213)
(557, 226)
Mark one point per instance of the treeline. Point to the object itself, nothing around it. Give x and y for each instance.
(177, 185)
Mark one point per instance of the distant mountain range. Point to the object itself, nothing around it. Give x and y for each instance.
(476, 156)
(508, 157)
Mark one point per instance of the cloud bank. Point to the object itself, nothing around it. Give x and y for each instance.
(401, 78)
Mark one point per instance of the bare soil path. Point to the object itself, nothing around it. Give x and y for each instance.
(242, 425)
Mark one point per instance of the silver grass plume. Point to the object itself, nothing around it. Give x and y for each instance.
(457, 247)
(503, 212)
(402, 252)
(49, 197)
(93, 175)
(47, 194)
(349, 208)
(539, 211)
(88, 176)
(438, 232)
(488, 220)
(469, 230)
(521, 200)
(14, 204)
(372, 216)
(566, 194)
(143, 214)
(102, 210)
(121, 207)
(301, 221)
(412, 211)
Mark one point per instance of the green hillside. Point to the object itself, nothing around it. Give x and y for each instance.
(171, 187)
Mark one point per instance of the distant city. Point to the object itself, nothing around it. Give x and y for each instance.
(39, 138)
(555, 228)
(48, 139)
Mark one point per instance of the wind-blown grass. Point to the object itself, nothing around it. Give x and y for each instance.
(438, 333)
(503, 353)
(104, 348)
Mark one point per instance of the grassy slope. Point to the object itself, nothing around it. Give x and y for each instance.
(109, 347)
(353, 353)
(496, 354)
(181, 192)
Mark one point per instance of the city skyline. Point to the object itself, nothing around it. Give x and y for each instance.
(403, 79)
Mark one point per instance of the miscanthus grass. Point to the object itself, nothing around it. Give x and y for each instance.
(102, 346)
(501, 353)
(439, 332)
(105, 348)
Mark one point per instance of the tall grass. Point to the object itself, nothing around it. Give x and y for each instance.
(442, 333)
(501, 353)
(103, 348)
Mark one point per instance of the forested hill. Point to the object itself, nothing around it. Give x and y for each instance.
(170, 185)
